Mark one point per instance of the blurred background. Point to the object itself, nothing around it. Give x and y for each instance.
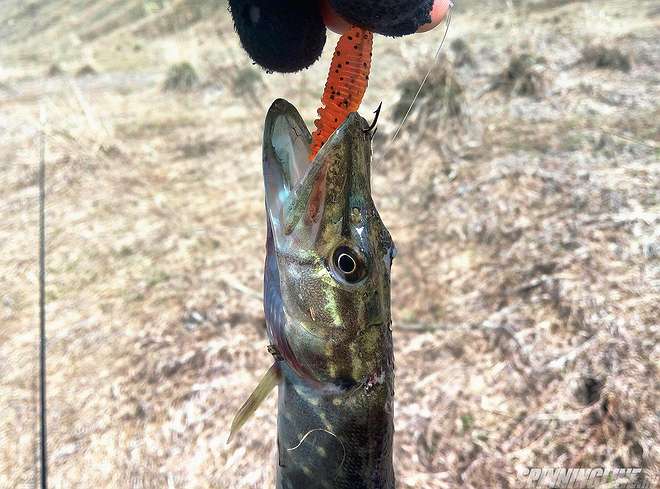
(523, 196)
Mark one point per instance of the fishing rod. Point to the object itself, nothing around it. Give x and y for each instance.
(43, 440)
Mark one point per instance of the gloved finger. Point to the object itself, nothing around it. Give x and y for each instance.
(339, 25)
(388, 17)
(438, 13)
(283, 35)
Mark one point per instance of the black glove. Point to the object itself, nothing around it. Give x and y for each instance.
(289, 35)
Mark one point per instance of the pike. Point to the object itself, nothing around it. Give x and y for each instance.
(327, 308)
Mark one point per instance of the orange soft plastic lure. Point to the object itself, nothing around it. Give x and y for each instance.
(347, 81)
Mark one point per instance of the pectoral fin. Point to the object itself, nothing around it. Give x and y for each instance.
(266, 384)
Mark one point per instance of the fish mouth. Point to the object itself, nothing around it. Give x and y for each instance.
(303, 198)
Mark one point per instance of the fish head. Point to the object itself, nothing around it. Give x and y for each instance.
(334, 252)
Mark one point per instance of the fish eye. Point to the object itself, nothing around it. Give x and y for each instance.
(348, 264)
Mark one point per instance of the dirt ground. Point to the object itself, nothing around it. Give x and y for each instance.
(522, 193)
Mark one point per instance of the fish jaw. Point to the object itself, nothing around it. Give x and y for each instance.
(336, 324)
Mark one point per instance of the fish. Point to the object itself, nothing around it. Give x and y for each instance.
(327, 307)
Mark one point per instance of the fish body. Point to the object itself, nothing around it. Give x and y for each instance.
(327, 308)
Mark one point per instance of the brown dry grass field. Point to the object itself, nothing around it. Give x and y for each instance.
(523, 195)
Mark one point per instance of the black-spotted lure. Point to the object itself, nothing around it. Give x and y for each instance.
(327, 307)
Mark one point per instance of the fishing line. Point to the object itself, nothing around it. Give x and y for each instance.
(343, 458)
(42, 303)
(630, 139)
(436, 58)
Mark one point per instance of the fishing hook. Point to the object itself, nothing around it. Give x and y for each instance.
(373, 124)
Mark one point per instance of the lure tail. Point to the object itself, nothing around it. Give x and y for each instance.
(347, 81)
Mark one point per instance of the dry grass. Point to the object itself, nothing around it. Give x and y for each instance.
(181, 77)
(85, 70)
(524, 75)
(608, 58)
(525, 292)
(463, 55)
(439, 99)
